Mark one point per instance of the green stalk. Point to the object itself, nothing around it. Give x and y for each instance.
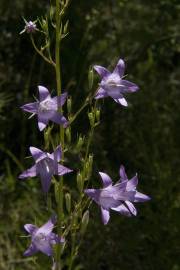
(59, 90)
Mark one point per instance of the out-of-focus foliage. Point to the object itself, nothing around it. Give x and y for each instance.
(144, 137)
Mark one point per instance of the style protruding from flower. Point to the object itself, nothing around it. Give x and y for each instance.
(30, 27)
(42, 239)
(118, 197)
(46, 165)
(113, 84)
(47, 108)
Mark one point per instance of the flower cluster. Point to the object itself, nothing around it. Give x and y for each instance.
(118, 197)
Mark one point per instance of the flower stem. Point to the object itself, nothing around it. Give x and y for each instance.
(59, 90)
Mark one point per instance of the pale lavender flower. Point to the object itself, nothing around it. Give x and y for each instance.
(113, 84)
(118, 197)
(42, 239)
(30, 27)
(46, 165)
(46, 108)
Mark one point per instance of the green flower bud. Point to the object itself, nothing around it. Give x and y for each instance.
(68, 134)
(98, 114)
(69, 105)
(91, 118)
(90, 78)
(80, 143)
(90, 163)
(68, 202)
(80, 182)
(65, 27)
(85, 221)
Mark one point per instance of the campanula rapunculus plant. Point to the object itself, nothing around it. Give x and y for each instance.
(113, 84)
(46, 108)
(46, 165)
(72, 206)
(42, 239)
(118, 197)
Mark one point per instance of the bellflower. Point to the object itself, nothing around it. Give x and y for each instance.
(30, 27)
(46, 108)
(42, 239)
(113, 84)
(118, 197)
(46, 165)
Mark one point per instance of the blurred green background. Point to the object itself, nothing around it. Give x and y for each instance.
(145, 137)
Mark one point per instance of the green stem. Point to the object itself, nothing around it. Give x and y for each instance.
(58, 82)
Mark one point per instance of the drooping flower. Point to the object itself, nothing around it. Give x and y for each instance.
(30, 27)
(118, 197)
(46, 165)
(113, 84)
(42, 239)
(46, 108)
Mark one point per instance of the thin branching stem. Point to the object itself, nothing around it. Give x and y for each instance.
(50, 61)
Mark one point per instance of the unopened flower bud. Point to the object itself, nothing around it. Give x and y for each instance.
(80, 182)
(68, 134)
(69, 105)
(98, 115)
(80, 143)
(68, 202)
(91, 119)
(85, 221)
(66, 27)
(90, 78)
(90, 162)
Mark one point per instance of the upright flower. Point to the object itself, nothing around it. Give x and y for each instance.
(118, 197)
(46, 108)
(30, 27)
(113, 84)
(42, 239)
(46, 165)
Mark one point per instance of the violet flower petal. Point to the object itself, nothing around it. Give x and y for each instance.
(31, 250)
(42, 122)
(63, 170)
(28, 173)
(55, 239)
(36, 153)
(131, 207)
(45, 178)
(30, 228)
(132, 183)
(105, 179)
(121, 101)
(120, 68)
(103, 72)
(122, 209)
(105, 215)
(45, 248)
(30, 107)
(57, 154)
(129, 87)
(59, 119)
(43, 93)
(60, 100)
(101, 93)
(48, 226)
(140, 197)
(123, 174)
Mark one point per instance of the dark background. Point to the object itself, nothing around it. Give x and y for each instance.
(144, 137)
